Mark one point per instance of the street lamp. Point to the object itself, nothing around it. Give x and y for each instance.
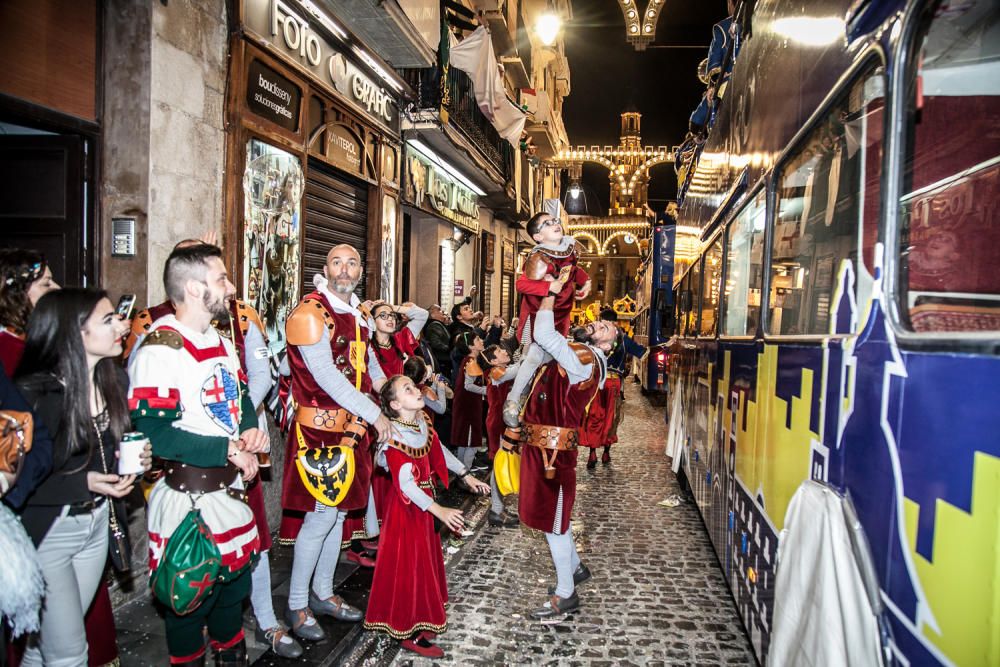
(547, 28)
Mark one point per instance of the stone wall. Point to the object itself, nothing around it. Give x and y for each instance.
(187, 134)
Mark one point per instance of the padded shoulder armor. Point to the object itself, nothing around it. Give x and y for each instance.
(171, 339)
(583, 353)
(307, 322)
(536, 265)
(246, 315)
(472, 369)
(496, 373)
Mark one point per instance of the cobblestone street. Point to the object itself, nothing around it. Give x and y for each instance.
(657, 595)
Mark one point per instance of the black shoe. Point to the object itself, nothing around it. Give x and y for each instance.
(606, 457)
(580, 576)
(234, 656)
(556, 606)
(592, 460)
(505, 520)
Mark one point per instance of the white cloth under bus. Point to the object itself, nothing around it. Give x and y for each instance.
(822, 612)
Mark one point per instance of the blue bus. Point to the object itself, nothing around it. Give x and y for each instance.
(840, 329)
(653, 323)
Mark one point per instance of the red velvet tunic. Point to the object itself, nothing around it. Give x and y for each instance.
(409, 588)
(466, 412)
(306, 392)
(496, 394)
(392, 358)
(533, 291)
(553, 402)
(597, 428)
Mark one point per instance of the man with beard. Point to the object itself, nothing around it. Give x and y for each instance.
(328, 464)
(242, 325)
(188, 395)
(567, 378)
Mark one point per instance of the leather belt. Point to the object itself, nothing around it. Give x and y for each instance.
(550, 437)
(614, 374)
(334, 420)
(192, 479)
(85, 507)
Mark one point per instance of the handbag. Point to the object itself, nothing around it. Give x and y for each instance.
(189, 567)
(119, 546)
(16, 431)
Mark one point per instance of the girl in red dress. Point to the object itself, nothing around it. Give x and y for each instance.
(392, 344)
(409, 588)
(470, 395)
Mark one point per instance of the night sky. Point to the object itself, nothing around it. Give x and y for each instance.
(607, 74)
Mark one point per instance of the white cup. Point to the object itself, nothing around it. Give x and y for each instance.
(130, 455)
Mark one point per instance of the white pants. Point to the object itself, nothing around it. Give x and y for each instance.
(72, 557)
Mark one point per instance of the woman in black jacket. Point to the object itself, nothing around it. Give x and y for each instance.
(70, 376)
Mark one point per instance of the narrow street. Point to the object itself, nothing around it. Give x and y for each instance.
(656, 596)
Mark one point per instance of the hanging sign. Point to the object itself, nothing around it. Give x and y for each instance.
(272, 96)
(299, 31)
(432, 189)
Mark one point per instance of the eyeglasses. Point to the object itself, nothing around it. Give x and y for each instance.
(387, 315)
(551, 222)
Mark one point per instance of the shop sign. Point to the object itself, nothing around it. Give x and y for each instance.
(432, 189)
(272, 96)
(344, 148)
(281, 24)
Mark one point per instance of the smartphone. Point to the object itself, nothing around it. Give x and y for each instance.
(125, 305)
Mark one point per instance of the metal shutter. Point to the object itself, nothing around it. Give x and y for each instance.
(336, 211)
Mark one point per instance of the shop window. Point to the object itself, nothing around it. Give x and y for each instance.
(827, 212)
(949, 226)
(272, 219)
(710, 289)
(744, 266)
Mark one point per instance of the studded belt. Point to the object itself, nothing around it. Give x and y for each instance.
(325, 420)
(192, 479)
(550, 437)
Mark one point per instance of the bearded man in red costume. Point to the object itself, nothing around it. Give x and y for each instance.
(566, 381)
(329, 461)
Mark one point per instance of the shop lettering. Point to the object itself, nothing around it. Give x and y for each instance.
(308, 47)
(447, 197)
(372, 98)
(274, 89)
(296, 33)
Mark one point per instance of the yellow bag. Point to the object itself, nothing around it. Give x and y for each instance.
(327, 472)
(507, 463)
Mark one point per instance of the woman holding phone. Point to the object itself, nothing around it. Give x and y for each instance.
(70, 376)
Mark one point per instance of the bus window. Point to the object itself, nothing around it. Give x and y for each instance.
(684, 305)
(694, 289)
(949, 226)
(827, 212)
(711, 286)
(744, 265)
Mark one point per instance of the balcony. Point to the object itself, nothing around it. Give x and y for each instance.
(479, 145)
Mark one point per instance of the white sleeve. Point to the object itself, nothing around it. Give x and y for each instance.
(555, 344)
(418, 319)
(258, 365)
(408, 485)
(319, 362)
